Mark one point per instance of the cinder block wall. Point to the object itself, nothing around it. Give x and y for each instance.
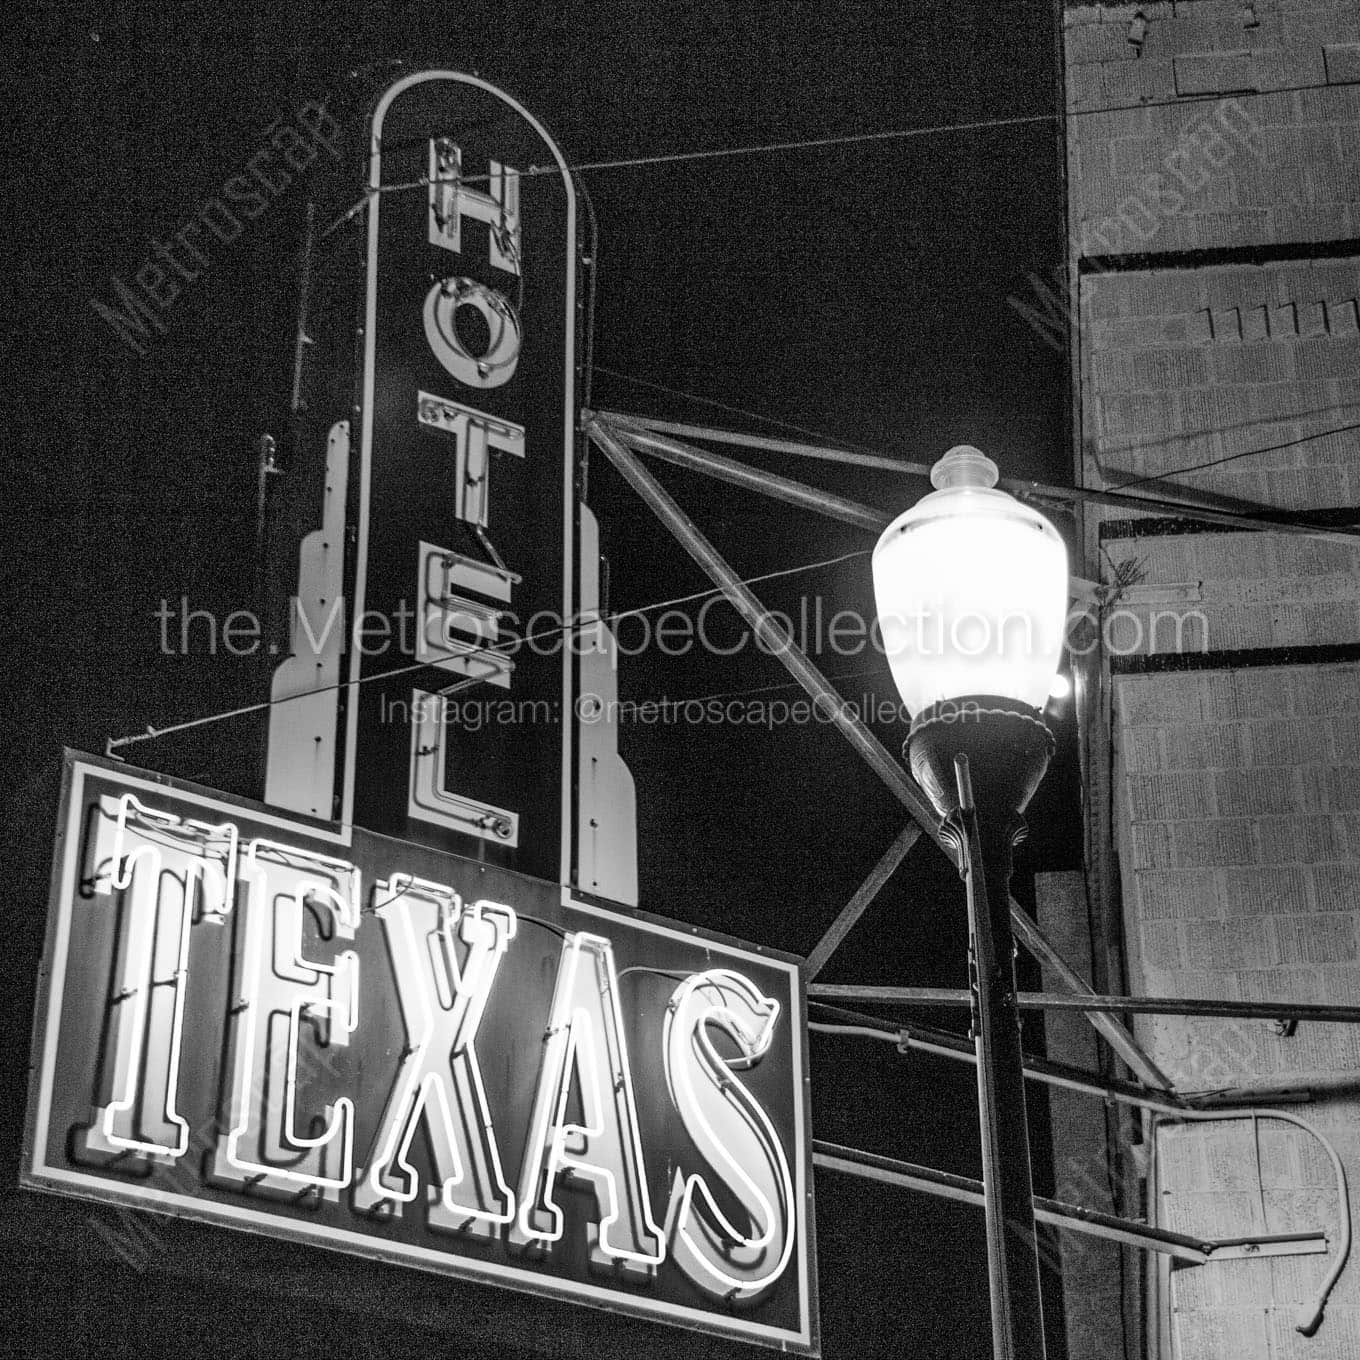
(1214, 171)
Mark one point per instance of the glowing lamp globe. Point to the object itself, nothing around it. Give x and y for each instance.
(971, 589)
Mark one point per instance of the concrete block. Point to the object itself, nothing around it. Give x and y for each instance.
(1326, 689)
(1085, 88)
(1229, 1157)
(1105, 295)
(1112, 371)
(1204, 409)
(1286, 68)
(1161, 944)
(1140, 748)
(1183, 894)
(1316, 222)
(1336, 104)
(1268, 189)
(1321, 24)
(1325, 1048)
(1343, 739)
(1259, 693)
(1343, 788)
(1203, 747)
(1216, 842)
(1300, 1210)
(1284, 742)
(1224, 1213)
(1318, 938)
(1180, 1158)
(1215, 73)
(1336, 887)
(1101, 42)
(1231, 946)
(1252, 364)
(1339, 1339)
(1226, 324)
(1284, 320)
(1134, 82)
(1261, 891)
(1312, 319)
(1136, 156)
(1255, 324)
(1328, 358)
(1281, 984)
(1164, 699)
(1197, 327)
(1234, 286)
(1169, 367)
(1247, 793)
(1152, 846)
(1346, 829)
(1298, 840)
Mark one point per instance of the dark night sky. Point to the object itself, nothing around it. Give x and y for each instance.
(856, 290)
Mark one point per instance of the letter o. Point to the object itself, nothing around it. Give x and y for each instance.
(498, 364)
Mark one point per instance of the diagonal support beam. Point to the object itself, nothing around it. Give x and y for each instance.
(756, 441)
(778, 488)
(1191, 502)
(864, 894)
(774, 638)
(870, 749)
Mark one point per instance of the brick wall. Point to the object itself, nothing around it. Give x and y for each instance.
(1099, 1287)
(1214, 172)
(1248, 135)
(1196, 365)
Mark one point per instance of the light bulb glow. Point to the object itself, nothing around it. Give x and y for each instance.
(971, 588)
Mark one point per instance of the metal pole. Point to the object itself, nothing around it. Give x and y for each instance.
(942, 1043)
(1129, 1232)
(1012, 1248)
(965, 1190)
(1057, 1001)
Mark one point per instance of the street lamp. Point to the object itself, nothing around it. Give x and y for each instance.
(971, 589)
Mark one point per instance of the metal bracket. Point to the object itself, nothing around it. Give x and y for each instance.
(1277, 1244)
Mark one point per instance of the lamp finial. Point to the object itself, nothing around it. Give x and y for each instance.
(964, 466)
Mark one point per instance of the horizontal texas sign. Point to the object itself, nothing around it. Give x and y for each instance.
(352, 1041)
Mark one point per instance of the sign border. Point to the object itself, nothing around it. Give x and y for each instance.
(36, 1174)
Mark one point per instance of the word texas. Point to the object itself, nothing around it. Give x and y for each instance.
(729, 1221)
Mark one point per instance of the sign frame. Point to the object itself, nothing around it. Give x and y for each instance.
(37, 1173)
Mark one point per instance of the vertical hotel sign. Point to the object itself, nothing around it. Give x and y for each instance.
(470, 563)
(466, 478)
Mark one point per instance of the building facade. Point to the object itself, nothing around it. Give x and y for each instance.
(1214, 276)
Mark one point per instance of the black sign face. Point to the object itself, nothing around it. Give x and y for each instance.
(377, 1047)
(463, 496)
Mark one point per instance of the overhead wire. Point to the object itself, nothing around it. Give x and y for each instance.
(1233, 457)
(815, 143)
(560, 631)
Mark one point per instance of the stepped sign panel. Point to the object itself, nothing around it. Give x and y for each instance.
(472, 616)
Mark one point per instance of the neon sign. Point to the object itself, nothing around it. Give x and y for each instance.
(412, 1056)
